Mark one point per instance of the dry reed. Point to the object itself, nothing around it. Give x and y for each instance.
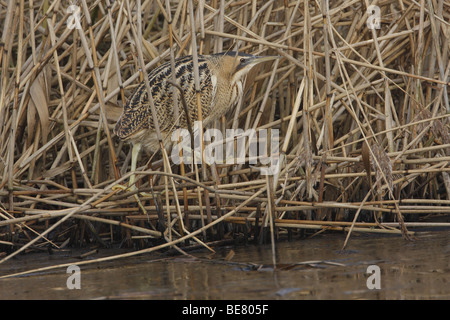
(361, 113)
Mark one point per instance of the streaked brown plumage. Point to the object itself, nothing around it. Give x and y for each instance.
(221, 85)
(221, 77)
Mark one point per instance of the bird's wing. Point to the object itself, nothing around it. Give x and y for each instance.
(137, 112)
(163, 97)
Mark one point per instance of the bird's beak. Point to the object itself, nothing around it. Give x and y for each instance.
(259, 59)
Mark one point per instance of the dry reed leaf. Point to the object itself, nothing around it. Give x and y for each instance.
(113, 81)
(39, 96)
(31, 121)
(382, 165)
(56, 171)
(365, 154)
(441, 131)
(438, 129)
(446, 178)
(113, 112)
(229, 255)
(150, 52)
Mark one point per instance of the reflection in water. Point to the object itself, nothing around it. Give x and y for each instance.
(409, 270)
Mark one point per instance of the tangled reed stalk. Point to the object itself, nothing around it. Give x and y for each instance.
(361, 114)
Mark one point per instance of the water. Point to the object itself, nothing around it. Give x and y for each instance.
(409, 270)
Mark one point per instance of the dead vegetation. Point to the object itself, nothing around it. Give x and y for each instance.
(361, 114)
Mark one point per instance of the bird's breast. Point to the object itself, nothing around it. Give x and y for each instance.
(236, 92)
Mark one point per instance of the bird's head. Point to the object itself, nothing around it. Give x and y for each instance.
(238, 64)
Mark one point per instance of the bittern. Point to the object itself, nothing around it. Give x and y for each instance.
(221, 85)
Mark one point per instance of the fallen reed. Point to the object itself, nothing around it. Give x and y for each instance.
(361, 114)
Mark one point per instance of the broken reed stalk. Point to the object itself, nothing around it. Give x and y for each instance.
(338, 86)
(167, 244)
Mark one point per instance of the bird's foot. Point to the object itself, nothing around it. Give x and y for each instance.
(136, 195)
(120, 187)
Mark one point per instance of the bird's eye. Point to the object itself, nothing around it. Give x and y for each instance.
(242, 60)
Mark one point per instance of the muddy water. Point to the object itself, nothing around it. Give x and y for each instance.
(308, 269)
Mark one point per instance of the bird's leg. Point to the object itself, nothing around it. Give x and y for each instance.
(131, 186)
(134, 156)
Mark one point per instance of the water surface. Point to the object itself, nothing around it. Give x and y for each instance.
(313, 268)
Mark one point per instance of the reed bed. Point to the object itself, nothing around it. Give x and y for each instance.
(361, 115)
